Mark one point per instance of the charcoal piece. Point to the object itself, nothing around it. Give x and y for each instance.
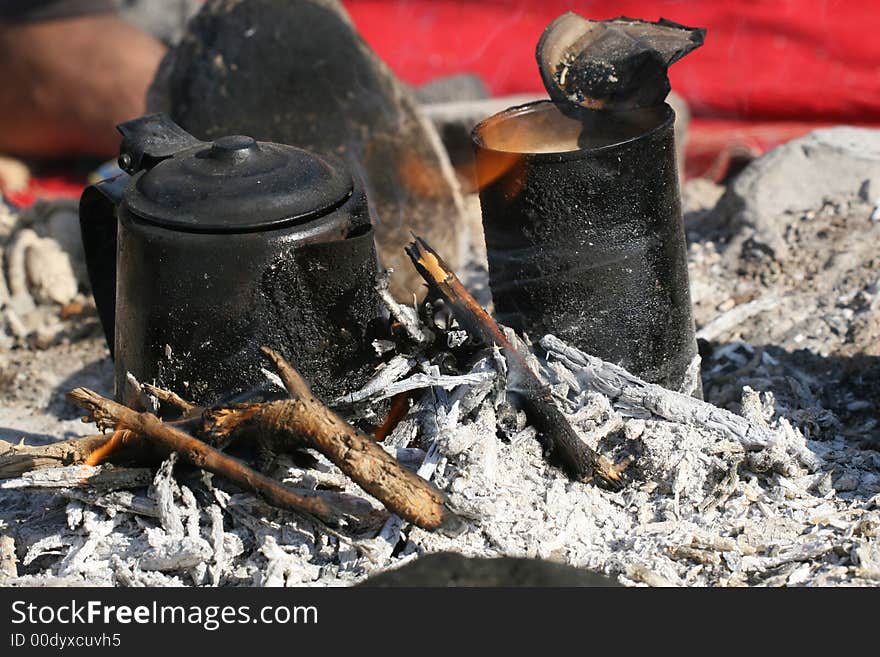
(616, 64)
(297, 72)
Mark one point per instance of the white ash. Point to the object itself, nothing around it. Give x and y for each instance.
(702, 507)
(696, 513)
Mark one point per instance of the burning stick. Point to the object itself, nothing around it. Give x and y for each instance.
(398, 410)
(118, 438)
(108, 413)
(122, 437)
(578, 459)
(354, 452)
(301, 420)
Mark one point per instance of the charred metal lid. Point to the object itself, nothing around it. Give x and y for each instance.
(615, 64)
(234, 184)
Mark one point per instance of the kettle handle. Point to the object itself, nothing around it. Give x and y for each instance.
(98, 224)
(148, 140)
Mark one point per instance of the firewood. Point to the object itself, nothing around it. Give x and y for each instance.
(172, 399)
(405, 316)
(107, 413)
(16, 460)
(101, 478)
(301, 421)
(576, 457)
(306, 420)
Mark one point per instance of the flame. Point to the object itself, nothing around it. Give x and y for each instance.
(495, 165)
(116, 440)
(398, 410)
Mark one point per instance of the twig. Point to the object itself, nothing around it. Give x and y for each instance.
(171, 398)
(118, 501)
(445, 381)
(294, 383)
(15, 460)
(352, 451)
(578, 459)
(808, 551)
(404, 315)
(389, 373)
(105, 412)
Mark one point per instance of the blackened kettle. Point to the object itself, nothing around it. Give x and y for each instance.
(202, 252)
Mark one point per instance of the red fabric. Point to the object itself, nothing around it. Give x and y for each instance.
(763, 59)
(47, 187)
(770, 70)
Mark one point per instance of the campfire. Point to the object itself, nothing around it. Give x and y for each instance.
(599, 426)
(315, 382)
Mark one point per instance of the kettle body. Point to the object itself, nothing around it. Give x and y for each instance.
(217, 249)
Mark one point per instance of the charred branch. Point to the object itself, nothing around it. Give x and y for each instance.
(282, 425)
(107, 413)
(577, 458)
(305, 419)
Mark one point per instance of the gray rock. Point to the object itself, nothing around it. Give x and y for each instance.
(19, 305)
(449, 569)
(59, 220)
(699, 196)
(50, 273)
(299, 73)
(39, 268)
(8, 220)
(14, 261)
(833, 165)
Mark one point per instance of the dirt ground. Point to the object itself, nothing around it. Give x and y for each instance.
(806, 327)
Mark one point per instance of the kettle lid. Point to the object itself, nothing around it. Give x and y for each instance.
(237, 184)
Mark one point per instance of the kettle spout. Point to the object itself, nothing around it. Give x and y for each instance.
(148, 140)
